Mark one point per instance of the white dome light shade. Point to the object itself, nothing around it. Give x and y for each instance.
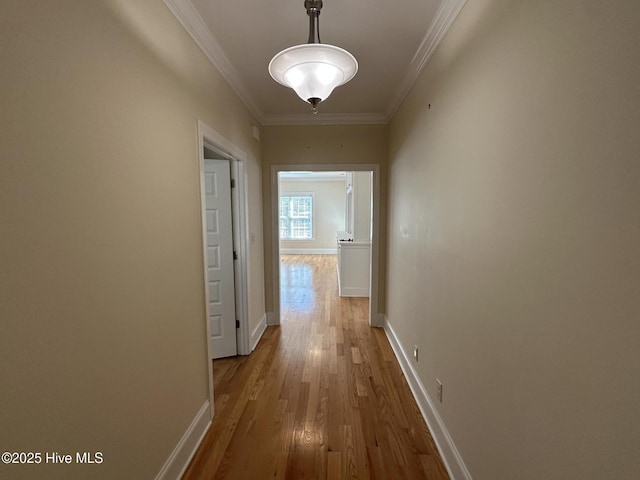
(313, 70)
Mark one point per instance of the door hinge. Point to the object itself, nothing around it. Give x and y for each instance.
(237, 323)
(235, 255)
(233, 183)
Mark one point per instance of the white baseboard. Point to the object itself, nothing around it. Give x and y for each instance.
(353, 291)
(178, 461)
(308, 251)
(256, 335)
(448, 451)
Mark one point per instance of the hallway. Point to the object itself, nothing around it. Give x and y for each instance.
(322, 396)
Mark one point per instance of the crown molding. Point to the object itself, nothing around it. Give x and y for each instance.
(446, 14)
(326, 119)
(190, 19)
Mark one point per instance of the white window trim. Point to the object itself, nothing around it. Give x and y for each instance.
(313, 215)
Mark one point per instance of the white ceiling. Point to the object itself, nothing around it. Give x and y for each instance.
(392, 41)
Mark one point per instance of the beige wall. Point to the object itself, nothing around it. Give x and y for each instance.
(362, 214)
(322, 145)
(329, 203)
(102, 303)
(515, 215)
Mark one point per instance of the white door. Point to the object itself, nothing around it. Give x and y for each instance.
(220, 288)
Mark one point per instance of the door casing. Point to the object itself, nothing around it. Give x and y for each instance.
(208, 137)
(375, 318)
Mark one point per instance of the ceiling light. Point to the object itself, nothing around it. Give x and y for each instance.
(313, 69)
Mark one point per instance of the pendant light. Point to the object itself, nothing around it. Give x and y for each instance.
(313, 69)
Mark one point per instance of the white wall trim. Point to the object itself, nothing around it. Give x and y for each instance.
(184, 451)
(190, 19)
(374, 316)
(446, 14)
(208, 137)
(257, 333)
(448, 451)
(308, 251)
(240, 210)
(214, 141)
(354, 292)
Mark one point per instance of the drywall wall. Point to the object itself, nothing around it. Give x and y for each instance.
(322, 145)
(362, 202)
(514, 237)
(103, 342)
(328, 212)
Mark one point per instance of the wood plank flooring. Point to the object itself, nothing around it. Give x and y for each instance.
(321, 397)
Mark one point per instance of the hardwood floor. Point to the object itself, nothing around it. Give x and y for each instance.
(321, 397)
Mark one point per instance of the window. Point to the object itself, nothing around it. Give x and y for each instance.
(296, 216)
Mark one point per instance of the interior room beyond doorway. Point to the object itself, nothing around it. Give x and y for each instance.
(325, 213)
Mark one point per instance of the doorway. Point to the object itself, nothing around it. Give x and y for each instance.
(276, 170)
(211, 143)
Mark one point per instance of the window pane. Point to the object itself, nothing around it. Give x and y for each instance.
(284, 206)
(301, 207)
(296, 217)
(284, 227)
(300, 228)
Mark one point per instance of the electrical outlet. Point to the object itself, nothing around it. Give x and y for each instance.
(415, 352)
(439, 390)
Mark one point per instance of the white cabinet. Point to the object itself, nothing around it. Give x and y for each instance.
(353, 268)
(354, 245)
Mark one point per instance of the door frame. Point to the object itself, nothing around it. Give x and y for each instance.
(208, 137)
(375, 318)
